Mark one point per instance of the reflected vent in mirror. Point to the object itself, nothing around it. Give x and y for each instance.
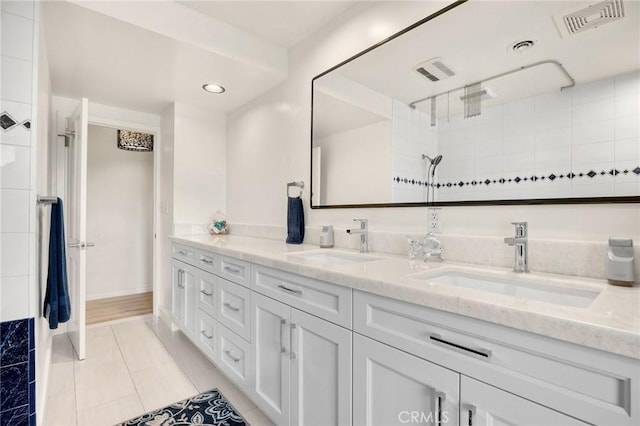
(591, 17)
(484, 94)
(435, 70)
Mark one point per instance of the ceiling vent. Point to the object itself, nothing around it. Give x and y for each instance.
(434, 70)
(591, 17)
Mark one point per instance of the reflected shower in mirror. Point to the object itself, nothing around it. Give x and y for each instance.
(527, 105)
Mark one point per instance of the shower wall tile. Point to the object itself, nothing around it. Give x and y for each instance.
(15, 166)
(17, 371)
(16, 80)
(14, 210)
(14, 300)
(18, 7)
(17, 36)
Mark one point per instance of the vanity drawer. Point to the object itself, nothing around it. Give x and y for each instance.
(208, 292)
(234, 357)
(588, 384)
(329, 301)
(208, 335)
(206, 261)
(184, 254)
(234, 308)
(234, 270)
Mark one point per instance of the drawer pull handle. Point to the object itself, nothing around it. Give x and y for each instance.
(439, 399)
(478, 353)
(206, 293)
(292, 354)
(232, 307)
(206, 260)
(204, 333)
(182, 252)
(290, 290)
(232, 270)
(283, 322)
(472, 412)
(230, 355)
(180, 278)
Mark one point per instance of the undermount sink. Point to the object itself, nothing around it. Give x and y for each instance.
(334, 257)
(531, 289)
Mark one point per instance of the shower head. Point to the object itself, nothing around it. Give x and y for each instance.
(434, 161)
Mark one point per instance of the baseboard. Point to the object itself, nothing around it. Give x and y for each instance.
(165, 317)
(119, 293)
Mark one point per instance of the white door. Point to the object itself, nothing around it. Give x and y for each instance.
(270, 346)
(190, 282)
(484, 405)
(76, 230)
(320, 372)
(391, 387)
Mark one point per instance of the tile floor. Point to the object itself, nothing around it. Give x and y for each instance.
(132, 367)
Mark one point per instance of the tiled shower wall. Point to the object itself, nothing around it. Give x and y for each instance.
(17, 214)
(581, 142)
(412, 136)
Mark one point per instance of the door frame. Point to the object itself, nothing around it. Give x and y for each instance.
(98, 120)
(157, 143)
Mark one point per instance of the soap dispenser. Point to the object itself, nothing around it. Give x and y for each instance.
(326, 237)
(620, 262)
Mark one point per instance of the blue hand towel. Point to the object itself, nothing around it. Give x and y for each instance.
(57, 306)
(295, 221)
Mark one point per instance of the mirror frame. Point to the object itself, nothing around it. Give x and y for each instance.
(514, 202)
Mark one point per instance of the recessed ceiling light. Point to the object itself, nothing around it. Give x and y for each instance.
(213, 88)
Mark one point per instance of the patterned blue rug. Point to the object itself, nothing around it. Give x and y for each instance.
(207, 409)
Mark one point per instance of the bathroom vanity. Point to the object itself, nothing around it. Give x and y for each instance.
(337, 337)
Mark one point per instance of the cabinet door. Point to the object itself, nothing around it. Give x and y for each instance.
(208, 335)
(177, 292)
(234, 308)
(207, 292)
(320, 372)
(190, 282)
(270, 338)
(391, 387)
(484, 405)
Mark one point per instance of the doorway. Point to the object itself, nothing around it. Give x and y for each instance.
(120, 224)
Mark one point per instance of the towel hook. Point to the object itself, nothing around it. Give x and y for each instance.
(299, 184)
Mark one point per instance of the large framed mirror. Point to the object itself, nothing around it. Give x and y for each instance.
(485, 102)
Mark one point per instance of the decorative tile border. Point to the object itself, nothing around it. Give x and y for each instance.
(7, 122)
(549, 178)
(17, 373)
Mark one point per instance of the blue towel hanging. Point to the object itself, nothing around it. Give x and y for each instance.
(57, 306)
(295, 220)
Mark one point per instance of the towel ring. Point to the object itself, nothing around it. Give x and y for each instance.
(299, 184)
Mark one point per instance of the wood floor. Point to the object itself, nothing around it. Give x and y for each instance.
(114, 308)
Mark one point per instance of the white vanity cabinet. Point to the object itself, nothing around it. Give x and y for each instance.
(551, 375)
(391, 387)
(184, 301)
(302, 365)
(484, 405)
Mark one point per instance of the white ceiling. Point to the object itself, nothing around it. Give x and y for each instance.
(286, 23)
(146, 55)
(474, 39)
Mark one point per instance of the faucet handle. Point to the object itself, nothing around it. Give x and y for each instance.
(521, 228)
(363, 222)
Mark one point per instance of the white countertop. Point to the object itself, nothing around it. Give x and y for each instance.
(611, 323)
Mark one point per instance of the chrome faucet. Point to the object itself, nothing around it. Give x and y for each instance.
(364, 234)
(432, 248)
(521, 244)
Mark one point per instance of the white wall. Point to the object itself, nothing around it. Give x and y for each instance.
(268, 145)
(199, 165)
(351, 175)
(165, 216)
(119, 217)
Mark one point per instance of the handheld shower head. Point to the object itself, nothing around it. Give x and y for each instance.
(434, 161)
